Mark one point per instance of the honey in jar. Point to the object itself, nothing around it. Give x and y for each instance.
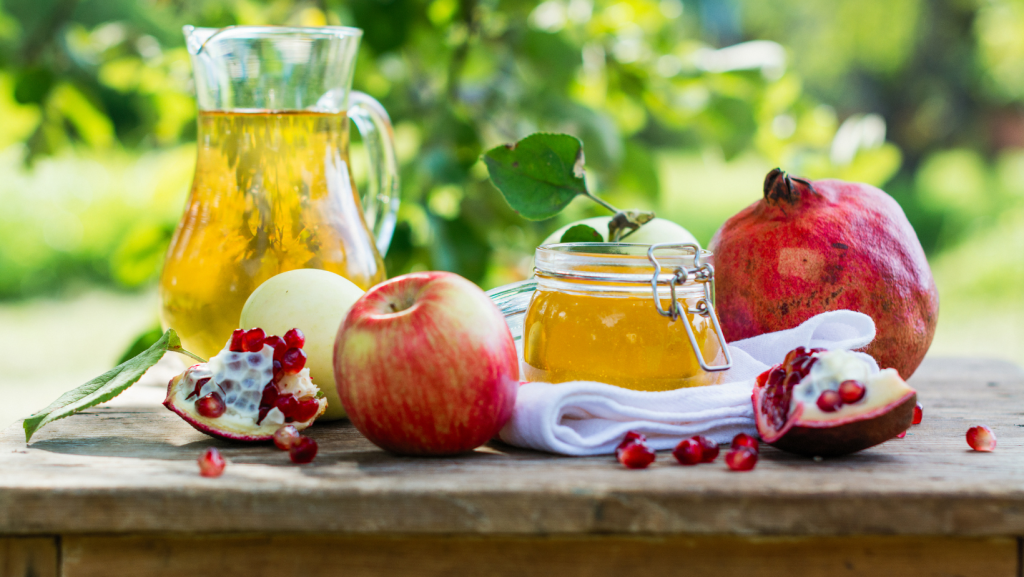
(593, 318)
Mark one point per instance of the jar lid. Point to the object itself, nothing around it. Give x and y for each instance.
(613, 262)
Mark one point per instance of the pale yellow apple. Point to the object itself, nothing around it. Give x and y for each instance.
(657, 231)
(315, 302)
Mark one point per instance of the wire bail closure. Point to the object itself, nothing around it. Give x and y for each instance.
(702, 273)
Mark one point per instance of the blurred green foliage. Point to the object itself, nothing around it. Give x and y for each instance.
(683, 105)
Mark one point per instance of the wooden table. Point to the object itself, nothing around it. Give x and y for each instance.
(115, 491)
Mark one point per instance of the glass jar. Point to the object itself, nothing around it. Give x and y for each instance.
(623, 315)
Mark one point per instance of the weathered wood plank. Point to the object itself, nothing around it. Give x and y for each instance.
(129, 467)
(28, 557)
(314, 556)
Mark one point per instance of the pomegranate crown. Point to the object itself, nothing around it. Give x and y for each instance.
(779, 186)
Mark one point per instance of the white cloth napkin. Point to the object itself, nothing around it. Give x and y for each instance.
(588, 418)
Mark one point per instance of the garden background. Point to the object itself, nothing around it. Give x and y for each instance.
(683, 106)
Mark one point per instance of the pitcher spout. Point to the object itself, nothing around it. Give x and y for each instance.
(272, 67)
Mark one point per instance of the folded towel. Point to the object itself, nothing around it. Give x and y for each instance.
(588, 418)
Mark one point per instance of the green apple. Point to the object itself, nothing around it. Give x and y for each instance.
(315, 302)
(657, 231)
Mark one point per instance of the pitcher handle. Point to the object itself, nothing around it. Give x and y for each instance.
(380, 201)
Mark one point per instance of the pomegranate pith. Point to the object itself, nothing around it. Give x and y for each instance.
(811, 247)
(636, 456)
(211, 463)
(981, 438)
(741, 459)
(709, 449)
(304, 451)
(689, 452)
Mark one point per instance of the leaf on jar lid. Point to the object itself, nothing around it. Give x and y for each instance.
(106, 386)
(539, 175)
(581, 233)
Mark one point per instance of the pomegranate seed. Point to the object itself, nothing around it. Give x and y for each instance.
(689, 452)
(793, 355)
(901, 435)
(286, 437)
(292, 361)
(288, 405)
(269, 401)
(851, 391)
(199, 387)
(918, 414)
(269, 396)
(211, 464)
(742, 459)
(211, 406)
(295, 338)
(630, 438)
(981, 438)
(279, 346)
(236, 340)
(745, 440)
(304, 451)
(636, 456)
(306, 410)
(252, 341)
(708, 447)
(829, 401)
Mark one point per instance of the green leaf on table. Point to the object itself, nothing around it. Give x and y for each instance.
(539, 175)
(106, 386)
(581, 233)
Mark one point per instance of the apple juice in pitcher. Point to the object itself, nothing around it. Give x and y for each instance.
(273, 189)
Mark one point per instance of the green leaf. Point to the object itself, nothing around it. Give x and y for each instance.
(539, 175)
(106, 386)
(581, 233)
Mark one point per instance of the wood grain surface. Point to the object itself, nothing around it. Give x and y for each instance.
(431, 556)
(29, 557)
(129, 467)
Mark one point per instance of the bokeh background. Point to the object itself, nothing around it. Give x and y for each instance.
(683, 106)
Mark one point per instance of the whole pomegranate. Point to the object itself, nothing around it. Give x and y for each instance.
(810, 247)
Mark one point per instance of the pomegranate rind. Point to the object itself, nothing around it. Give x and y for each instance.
(850, 437)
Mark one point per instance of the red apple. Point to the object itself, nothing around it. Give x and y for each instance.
(425, 365)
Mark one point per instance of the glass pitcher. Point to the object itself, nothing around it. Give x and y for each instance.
(273, 190)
